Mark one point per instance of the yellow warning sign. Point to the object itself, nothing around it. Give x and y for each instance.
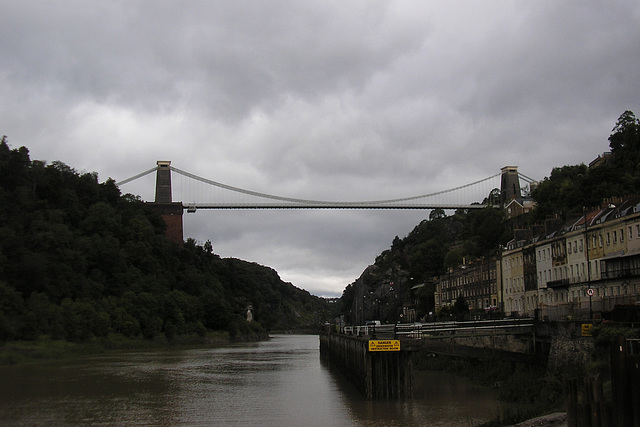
(384, 345)
(586, 329)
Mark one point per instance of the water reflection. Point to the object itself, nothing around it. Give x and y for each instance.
(279, 382)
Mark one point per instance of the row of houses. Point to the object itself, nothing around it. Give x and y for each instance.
(577, 269)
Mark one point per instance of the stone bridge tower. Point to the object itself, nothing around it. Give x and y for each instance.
(510, 185)
(170, 211)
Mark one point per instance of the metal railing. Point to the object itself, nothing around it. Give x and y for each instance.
(444, 329)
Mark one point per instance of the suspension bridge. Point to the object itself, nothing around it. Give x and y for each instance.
(197, 192)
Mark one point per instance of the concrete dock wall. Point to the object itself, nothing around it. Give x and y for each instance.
(380, 374)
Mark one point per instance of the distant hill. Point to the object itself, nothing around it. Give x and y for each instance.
(80, 260)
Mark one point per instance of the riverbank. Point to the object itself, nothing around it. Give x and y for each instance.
(43, 348)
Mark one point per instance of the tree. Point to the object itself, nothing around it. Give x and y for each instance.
(11, 310)
(626, 134)
(437, 214)
(460, 307)
(561, 193)
(625, 152)
(493, 199)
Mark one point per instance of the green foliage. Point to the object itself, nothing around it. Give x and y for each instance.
(80, 261)
(570, 189)
(11, 311)
(461, 306)
(432, 246)
(562, 192)
(605, 335)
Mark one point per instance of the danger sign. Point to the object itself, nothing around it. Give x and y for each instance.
(384, 345)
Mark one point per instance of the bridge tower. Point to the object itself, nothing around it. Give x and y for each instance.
(510, 185)
(170, 211)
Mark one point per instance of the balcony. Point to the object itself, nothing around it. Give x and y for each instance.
(562, 283)
(620, 273)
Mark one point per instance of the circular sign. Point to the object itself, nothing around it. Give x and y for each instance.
(590, 292)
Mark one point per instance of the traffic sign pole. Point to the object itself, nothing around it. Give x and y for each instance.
(590, 292)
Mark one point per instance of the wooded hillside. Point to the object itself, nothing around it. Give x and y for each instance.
(78, 260)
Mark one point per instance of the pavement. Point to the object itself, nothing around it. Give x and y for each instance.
(557, 419)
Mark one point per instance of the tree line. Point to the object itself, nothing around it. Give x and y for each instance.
(80, 260)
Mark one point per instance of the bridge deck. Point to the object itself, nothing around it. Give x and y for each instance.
(192, 208)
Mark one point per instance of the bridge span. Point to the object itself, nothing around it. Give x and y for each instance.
(203, 193)
(198, 193)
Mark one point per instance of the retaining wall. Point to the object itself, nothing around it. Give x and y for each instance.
(376, 374)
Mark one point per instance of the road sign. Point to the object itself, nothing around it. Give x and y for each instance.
(384, 345)
(590, 292)
(586, 329)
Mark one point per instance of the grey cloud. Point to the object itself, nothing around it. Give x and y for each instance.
(225, 58)
(326, 100)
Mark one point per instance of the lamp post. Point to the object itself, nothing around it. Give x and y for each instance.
(364, 317)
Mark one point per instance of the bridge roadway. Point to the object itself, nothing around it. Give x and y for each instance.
(193, 207)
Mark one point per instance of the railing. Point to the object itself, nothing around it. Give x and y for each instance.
(618, 273)
(444, 329)
(558, 283)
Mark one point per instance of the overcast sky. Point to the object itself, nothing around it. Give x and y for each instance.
(339, 100)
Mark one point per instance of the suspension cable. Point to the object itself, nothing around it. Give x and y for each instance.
(322, 202)
(140, 175)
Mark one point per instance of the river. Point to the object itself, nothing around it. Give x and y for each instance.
(280, 382)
